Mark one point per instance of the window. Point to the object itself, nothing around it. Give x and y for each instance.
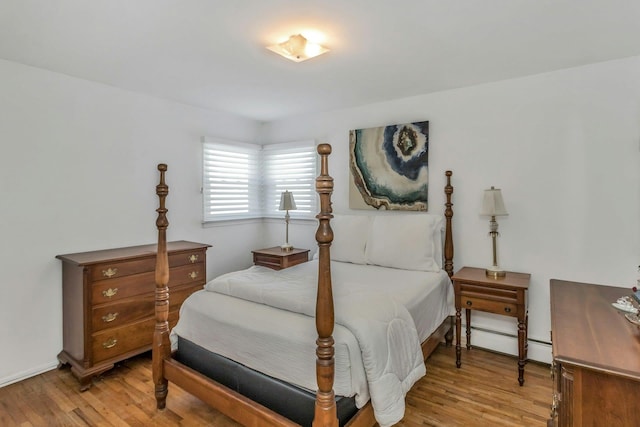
(292, 167)
(231, 181)
(242, 181)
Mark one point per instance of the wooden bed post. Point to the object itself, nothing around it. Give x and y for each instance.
(325, 409)
(448, 237)
(161, 346)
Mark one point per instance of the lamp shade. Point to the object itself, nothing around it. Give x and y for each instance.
(286, 201)
(492, 203)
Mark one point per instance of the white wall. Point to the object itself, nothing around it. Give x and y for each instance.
(78, 173)
(565, 149)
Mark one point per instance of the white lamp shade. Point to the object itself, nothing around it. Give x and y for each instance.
(286, 201)
(492, 203)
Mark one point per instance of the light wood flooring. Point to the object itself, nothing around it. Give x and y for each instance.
(483, 392)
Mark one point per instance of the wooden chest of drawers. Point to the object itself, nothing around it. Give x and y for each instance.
(596, 368)
(109, 301)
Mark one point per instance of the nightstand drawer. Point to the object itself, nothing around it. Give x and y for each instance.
(490, 305)
(488, 292)
(278, 259)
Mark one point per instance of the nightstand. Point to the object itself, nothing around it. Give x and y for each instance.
(278, 259)
(474, 290)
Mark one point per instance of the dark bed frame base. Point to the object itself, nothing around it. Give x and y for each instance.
(296, 405)
(167, 366)
(292, 402)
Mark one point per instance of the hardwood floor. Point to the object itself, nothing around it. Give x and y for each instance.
(483, 392)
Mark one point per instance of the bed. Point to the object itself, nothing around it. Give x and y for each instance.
(247, 343)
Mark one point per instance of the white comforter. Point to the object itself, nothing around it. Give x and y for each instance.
(386, 333)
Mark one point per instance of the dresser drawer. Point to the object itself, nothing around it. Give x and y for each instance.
(498, 306)
(122, 287)
(104, 291)
(115, 270)
(188, 257)
(111, 343)
(187, 274)
(113, 315)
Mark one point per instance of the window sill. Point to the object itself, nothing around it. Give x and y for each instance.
(242, 221)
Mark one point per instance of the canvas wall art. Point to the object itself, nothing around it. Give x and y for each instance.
(389, 167)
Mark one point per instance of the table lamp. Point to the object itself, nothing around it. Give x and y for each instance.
(287, 204)
(493, 206)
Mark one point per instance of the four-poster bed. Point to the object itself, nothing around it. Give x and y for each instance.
(256, 398)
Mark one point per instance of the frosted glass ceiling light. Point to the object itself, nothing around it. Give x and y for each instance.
(297, 48)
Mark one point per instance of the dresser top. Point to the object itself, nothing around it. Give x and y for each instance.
(116, 254)
(588, 331)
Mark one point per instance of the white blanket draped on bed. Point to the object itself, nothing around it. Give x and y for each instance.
(389, 343)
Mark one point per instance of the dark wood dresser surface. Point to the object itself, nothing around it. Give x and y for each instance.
(596, 357)
(109, 300)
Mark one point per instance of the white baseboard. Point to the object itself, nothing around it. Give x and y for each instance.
(27, 374)
(504, 343)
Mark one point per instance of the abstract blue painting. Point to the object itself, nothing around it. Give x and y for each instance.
(389, 167)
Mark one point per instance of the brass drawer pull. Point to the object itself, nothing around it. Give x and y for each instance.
(193, 259)
(193, 274)
(469, 303)
(110, 272)
(109, 317)
(110, 343)
(507, 309)
(110, 292)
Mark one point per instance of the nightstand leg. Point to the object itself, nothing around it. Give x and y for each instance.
(467, 312)
(458, 326)
(522, 349)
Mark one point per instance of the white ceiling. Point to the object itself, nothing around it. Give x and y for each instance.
(211, 53)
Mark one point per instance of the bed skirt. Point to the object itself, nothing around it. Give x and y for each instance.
(288, 400)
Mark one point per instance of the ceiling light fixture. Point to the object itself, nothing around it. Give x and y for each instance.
(297, 48)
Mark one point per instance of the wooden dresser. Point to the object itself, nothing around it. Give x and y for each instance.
(109, 300)
(596, 357)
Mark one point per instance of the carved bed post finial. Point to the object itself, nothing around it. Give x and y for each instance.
(448, 239)
(325, 409)
(161, 347)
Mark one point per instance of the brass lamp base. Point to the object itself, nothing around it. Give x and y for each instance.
(286, 247)
(495, 272)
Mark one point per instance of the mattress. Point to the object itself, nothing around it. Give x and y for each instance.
(281, 343)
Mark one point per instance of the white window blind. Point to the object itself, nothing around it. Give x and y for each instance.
(231, 181)
(292, 167)
(242, 181)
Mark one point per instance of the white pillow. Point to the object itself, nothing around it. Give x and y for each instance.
(406, 241)
(350, 234)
